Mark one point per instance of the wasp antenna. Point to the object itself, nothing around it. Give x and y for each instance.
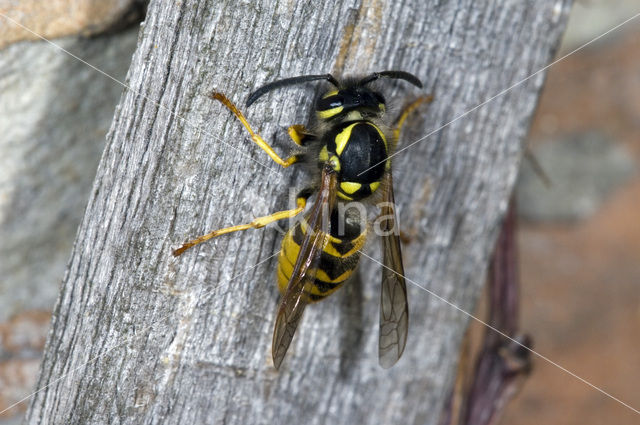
(399, 75)
(288, 82)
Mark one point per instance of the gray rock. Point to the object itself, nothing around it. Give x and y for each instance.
(592, 18)
(54, 114)
(584, 170)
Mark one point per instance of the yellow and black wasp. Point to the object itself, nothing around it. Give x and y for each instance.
(349, 144)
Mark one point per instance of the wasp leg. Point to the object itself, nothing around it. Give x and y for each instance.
(301, 202)
(401, 119)
(299, 134)
(254, 136)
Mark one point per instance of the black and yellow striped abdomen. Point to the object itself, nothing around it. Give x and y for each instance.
(338, 260)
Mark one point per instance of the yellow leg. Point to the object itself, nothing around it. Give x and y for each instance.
(400, 121)
(259, 222)
(298, 134)
(254, 136)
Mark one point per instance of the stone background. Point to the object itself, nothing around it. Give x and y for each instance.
(580, 239)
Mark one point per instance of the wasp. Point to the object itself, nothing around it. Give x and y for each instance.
(349, 147)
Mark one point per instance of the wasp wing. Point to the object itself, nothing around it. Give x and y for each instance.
(394, 309)
(304, 271)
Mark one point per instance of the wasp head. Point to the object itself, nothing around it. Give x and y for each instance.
(352, 103)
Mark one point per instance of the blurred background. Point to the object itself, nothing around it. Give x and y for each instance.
(579, 239)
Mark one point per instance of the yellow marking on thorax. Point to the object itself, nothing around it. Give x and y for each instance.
(343, 137)
(350, 187)
(374, 186)
(335, 163)
(382, 136)
(324, 155)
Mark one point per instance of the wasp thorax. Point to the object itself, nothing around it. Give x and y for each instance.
(334, 161)
(352, 103)
(358, 152)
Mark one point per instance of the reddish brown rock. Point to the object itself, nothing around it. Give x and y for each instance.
(59, 18)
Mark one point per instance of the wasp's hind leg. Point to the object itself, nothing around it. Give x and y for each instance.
(301, 202)
(403, 116)
(254, 136)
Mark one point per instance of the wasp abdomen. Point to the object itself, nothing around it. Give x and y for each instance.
(338, 261)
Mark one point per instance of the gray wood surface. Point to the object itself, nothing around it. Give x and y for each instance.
(141, 337)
